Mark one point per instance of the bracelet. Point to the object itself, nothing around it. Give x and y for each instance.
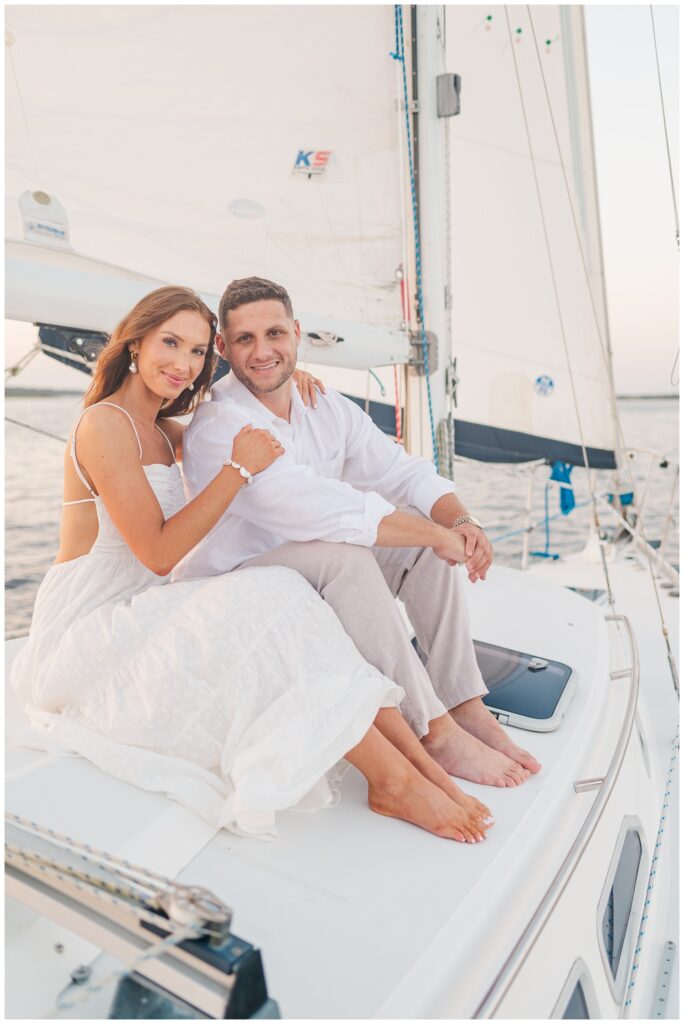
(244, 473)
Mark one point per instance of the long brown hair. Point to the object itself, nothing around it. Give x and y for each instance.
(111, 369)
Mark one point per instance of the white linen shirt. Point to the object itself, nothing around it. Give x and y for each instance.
(339, 476)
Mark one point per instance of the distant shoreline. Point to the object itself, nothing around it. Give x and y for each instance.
(41, 392)
(53, 392)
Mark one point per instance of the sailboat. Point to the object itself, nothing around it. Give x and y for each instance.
(434, 216)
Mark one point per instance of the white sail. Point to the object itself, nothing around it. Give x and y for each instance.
(196, 145)
(515, 398)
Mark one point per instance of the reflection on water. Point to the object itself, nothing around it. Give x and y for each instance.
(33, 494)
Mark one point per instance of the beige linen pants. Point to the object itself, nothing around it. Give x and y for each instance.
(360, 585)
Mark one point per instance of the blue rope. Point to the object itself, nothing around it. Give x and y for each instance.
(399, 54)
(550, 519)
(546, 553)
(654, 868)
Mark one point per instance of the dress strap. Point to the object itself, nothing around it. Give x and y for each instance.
(72, 448)
(166, 438)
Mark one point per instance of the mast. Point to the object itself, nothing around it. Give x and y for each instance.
(427, 63)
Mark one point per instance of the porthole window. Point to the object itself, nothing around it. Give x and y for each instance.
(621, 904)
(577, 1008)
(577, 1000)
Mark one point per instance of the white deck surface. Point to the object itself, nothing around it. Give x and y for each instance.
(358, 915)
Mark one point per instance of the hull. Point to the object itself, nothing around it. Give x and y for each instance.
(498, 930)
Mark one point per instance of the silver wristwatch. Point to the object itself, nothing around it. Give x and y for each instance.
(466, 519)
(244, 473)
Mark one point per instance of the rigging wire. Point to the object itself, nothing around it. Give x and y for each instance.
(37, 430)
(561, 322)
(9, 43)
(667, 136)
(604, 352)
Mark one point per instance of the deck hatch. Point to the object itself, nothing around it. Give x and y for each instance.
(525, 690)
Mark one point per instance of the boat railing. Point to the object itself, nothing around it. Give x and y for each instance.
(655, 551)
(604, 787)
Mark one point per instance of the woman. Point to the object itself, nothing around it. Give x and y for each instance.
(235, 694)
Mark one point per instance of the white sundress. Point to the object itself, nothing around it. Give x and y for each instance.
(236, 695)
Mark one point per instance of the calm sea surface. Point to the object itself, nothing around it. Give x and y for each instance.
(34, 493)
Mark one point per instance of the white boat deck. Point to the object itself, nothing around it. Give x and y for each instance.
(358, 915)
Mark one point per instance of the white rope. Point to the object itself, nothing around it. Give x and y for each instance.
(13, 371)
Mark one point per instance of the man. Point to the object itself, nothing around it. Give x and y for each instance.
(330, 508)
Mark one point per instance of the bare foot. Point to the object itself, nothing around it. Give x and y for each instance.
(460, 753)
(475, 718)
(418, 801)
(428, 767)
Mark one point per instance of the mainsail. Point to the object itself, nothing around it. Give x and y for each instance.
(515, 395)
(198, 144)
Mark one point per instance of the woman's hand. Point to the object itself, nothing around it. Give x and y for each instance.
(306, 386)
(255, 449)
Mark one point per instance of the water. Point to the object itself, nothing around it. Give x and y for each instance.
(34, 493)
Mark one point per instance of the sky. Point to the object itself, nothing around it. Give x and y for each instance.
(640, 253)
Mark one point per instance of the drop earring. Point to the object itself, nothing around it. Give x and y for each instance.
(191, 386)
(133, 366)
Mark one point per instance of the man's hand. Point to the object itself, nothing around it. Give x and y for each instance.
(478, 551)
(448, 547)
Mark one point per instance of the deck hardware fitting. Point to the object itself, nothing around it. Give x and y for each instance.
(664, 981)
(587, 785)
(81, 974)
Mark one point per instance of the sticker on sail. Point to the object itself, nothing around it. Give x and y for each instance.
(544, 384)
(44, 219)
(311, 161)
